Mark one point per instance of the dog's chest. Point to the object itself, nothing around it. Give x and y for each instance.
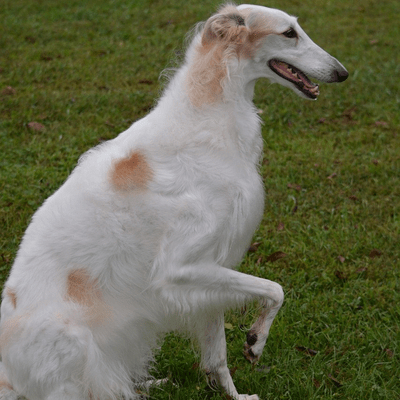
(231, 205)
(247, 206)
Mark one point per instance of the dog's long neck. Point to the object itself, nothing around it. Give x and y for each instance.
(209, 98)
(228, 121)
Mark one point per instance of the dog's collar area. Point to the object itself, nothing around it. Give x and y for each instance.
(295, 76)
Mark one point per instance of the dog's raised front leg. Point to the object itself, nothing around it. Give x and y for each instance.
(197, 289)
(211, 335)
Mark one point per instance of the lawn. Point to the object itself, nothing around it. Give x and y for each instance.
(73, 74)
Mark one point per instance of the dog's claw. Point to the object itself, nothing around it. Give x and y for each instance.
(211, 380)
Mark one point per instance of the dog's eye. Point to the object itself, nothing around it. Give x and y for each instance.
(290, 33)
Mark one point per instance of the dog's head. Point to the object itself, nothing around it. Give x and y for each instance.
(268, 43)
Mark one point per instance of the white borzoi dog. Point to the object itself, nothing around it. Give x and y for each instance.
(142, 237)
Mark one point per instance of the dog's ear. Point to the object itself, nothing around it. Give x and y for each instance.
(229, 28)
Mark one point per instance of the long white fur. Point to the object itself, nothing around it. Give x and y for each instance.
(159, 247)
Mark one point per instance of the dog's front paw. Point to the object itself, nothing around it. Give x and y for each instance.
(253, 347)
(249, 354)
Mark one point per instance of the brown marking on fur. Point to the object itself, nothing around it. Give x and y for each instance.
(258, 26)
(10, 330)
(225, 27)
(81, 288)
(132, 172)
(221, 36)
(84, 290)
(4, 384)
(10, 293)
(224, 36)
(205, 77)
(254, 39)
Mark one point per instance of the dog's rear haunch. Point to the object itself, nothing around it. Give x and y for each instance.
(143, 237)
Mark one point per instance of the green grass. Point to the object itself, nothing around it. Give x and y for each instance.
(87, 70)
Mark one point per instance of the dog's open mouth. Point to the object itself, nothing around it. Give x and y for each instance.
(295, 76)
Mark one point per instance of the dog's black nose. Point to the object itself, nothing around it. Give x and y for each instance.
(341, 75)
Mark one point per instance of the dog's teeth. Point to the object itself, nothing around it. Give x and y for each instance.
(314, 90)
